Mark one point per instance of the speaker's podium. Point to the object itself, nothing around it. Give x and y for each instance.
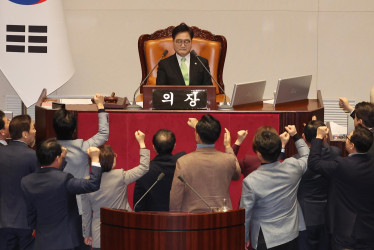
(172, 231)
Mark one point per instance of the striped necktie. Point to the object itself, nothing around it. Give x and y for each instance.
(184, 70)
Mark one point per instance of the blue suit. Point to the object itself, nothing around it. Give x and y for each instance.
(351, 197)
(52, 206)
(17, 160)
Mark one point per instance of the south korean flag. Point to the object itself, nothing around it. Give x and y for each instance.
(34, 48)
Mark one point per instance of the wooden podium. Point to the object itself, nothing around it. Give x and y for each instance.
(171, 231)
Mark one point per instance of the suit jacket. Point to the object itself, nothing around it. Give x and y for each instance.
(269, 197)
(17, 160)
(158, 197)
(313, 190)
(169, 72)
(52, 206)
(351, 198)
(112, 194)
(77, 159)
(209, 172)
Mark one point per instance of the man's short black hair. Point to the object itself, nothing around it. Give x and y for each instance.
(47, 151)
(362, 138)
(365, 112)
(310, 129)
(2, 123)
(64, 124)
(19, 124)
(208, 129)
(268, 144)
(164, 141)
(182, 28)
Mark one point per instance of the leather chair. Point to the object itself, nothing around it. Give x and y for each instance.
(210, 46)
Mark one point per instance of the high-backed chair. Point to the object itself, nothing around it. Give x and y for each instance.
(210, 46)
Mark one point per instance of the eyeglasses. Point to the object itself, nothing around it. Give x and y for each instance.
(180, 42)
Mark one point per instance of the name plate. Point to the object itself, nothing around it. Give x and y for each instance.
(179, 99)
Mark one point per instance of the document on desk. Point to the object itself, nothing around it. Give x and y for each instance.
(269, 101)
(76, 101)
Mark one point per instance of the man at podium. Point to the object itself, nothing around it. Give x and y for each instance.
(182, 68)
(207, 170)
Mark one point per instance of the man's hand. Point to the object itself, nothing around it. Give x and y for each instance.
(247, 245)
(227, 139)
(88, 241)
(322, 132)
(93, 153)
(343, 103)
(139, 135)
(192, 122)
(99, 100)
(285, 137)
(242, 134)
(291, 129)
(64, 152)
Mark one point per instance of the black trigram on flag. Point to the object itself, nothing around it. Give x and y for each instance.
(35, 40)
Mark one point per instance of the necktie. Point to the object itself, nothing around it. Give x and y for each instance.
(184, 70)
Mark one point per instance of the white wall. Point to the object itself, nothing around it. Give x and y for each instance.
(332, 40)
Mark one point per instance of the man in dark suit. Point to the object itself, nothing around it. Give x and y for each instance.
(182, 68)
(50, 197)
(312, 195)
(158, 198)
(362, 113)
(17, 160)
(4, 129)
(351, 197)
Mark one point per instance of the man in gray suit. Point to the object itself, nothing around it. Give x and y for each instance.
(269, 194)
(4, 129)
(64, 124)
(207, 170)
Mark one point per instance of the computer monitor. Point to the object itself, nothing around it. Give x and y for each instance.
(292, 89)
(245, 93)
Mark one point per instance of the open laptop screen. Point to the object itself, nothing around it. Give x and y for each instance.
(292, 89)
(245, 93)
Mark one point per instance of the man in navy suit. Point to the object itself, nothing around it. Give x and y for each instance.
(17, 160)
(4, 129)
(50, 197)
(351, 195)
(182, 68)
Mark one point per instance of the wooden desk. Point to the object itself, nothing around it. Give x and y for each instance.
(170, 231)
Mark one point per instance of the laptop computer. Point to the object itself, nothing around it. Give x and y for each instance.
(292, 89)
(245, 93)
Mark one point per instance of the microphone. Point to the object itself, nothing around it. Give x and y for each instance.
(134, 106)
(224, 106)
(189, 186)
(160, 176)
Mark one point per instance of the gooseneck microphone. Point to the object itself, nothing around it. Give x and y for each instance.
(160, 176)
(189, 186)
(134, 106)
(224, 106)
